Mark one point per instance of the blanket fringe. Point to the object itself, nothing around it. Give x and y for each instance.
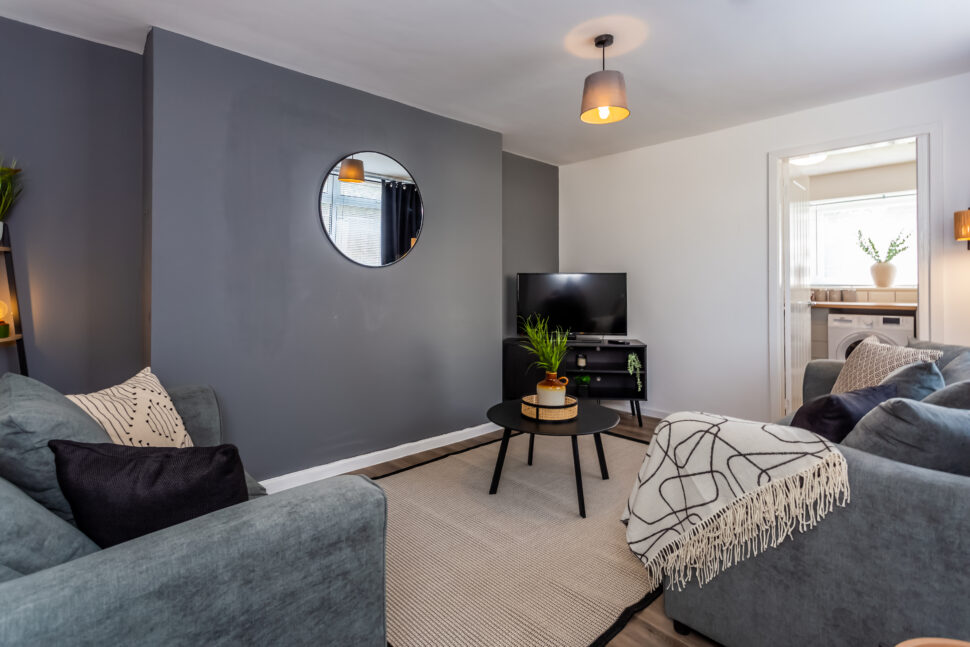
(751, 524)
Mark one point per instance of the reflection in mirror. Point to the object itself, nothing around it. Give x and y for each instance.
(375, 221)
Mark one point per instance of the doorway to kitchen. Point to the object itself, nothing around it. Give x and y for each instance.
(851, 235)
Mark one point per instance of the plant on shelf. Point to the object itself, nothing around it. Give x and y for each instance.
(582, 385)
(882, 270)
(634, 367)
(10, 188)
(549, 348)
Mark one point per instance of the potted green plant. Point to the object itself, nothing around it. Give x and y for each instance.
(549, 347)
(10, 189)
(582, 385)
(883, 271)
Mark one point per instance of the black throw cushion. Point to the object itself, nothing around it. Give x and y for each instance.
(833, 416)
(118, 492)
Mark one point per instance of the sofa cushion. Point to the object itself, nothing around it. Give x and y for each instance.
(955, 396)
(118, 492)
(31, 414)
(834, 416)
(137, 412)
(7, 573)
(32, 538)
(948, 352)
(916, 433)
(916, 381)
(871, 362)
(958, 369)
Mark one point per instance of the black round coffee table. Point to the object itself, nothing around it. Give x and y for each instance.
(592, 419)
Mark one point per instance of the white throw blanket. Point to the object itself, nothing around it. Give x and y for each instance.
(713, 491)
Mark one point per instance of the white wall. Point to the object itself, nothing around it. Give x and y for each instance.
(688, 220)
(864, 181)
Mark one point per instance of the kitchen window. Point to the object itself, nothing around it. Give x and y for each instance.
(834, 227)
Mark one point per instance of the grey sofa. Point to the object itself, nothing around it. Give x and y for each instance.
(894, 564)
(301, 567)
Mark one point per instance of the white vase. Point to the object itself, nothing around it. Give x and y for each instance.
(883, 274)
(551, 391)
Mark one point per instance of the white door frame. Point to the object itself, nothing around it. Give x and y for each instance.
(931, 228)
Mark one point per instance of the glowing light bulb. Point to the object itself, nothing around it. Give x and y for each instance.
(604, 112)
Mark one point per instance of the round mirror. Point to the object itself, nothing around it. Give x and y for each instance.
(371, 209)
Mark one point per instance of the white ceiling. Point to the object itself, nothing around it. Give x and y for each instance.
(517, 66)
(873, 155)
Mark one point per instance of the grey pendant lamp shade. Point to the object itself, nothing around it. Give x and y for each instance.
(604, 93)
(351, 170)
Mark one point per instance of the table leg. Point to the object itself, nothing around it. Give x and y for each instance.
(599, 452)
(532, 441)
(501, 459)
(579, 477)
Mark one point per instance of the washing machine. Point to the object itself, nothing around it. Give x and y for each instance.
(847, 331)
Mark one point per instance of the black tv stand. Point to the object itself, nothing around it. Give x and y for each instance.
(606, 364)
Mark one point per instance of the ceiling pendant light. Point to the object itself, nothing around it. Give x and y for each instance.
(351, 170)
(604, 93)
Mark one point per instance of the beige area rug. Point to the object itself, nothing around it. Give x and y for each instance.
(519, 568)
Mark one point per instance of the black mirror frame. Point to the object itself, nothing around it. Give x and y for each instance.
(327, 233)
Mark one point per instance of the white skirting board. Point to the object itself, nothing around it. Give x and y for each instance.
(320, 472)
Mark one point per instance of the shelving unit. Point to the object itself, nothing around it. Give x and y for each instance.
(17, 337)
(606, 364)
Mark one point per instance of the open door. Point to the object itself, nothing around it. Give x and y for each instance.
(823, 205)
(798, 291)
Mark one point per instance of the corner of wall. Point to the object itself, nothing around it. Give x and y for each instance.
(148, 98)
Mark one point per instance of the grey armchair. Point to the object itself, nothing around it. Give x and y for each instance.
(892, 565)
(302, 567)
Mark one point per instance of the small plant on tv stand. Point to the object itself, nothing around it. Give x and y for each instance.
(582, 385)
(634, 367)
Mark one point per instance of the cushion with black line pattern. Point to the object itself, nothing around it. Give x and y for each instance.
(138, 412)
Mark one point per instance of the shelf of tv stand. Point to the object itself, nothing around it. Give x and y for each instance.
(604, 360)
(11, 338)
(606, 364)
(590, 371)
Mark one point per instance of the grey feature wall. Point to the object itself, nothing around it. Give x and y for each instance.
(315, 358)
(530, 224)
(71, 113)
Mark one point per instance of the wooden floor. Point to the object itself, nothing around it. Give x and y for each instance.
(650, 627)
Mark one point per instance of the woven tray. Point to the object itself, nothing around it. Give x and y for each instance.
(544, 413)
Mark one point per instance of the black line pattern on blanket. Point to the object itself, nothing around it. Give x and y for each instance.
(698, 455)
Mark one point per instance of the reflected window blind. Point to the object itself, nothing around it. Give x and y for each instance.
(352, 212)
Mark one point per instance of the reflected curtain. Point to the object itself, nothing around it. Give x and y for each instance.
(400, 218)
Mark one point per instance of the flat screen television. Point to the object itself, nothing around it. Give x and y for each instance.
(585, 304)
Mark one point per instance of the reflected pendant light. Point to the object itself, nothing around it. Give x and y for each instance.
(604, 93)
(961, 225)
(351, 170)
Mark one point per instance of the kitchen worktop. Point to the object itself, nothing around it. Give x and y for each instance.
(865, 305)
